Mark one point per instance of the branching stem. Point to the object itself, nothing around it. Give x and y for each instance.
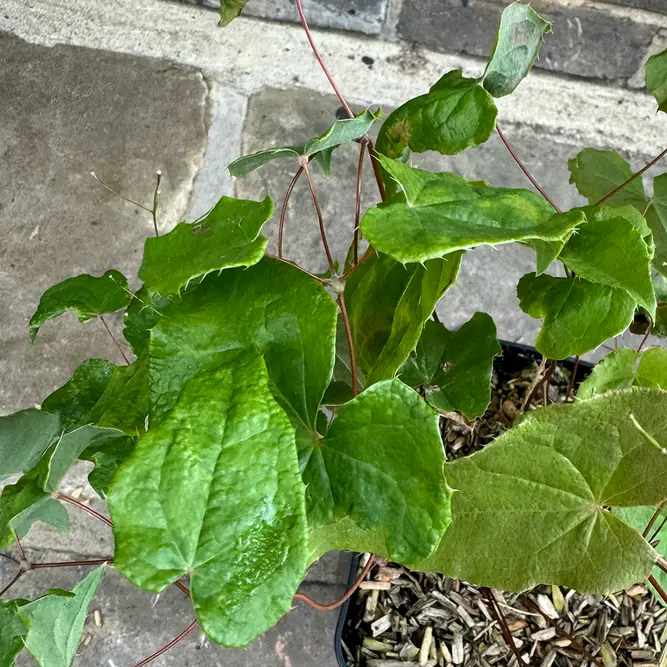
(653, 519)
(524, 169)
(365, 256)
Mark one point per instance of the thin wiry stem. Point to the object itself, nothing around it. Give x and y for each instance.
(350, 343)
(19, 546)
(123, 197)
(376, 170)
(365, 256)
(498, 613)
(324, 281)
(348, 594)
(113, 338)
(653, 519)
(85, 508)
(170, 645)
(646, 335)
(523, 168)
(156, 197)
(283, 210)
(320, 219)
(632, 178)
(71, 563)
(357, 210)
(311, 41)
(573, 378)
(658, 588)
(19, 574)
(658, 530)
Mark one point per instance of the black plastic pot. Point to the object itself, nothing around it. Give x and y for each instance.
(513, 353)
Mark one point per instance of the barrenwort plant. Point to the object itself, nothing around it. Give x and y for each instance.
(271, 415)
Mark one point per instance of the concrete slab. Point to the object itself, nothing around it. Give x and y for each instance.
(65, 112)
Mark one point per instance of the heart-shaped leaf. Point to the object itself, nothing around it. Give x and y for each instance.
(214, 491)
(531, 508)
(656, 78)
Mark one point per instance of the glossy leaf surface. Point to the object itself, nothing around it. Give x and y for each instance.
(227, 237)
(85, 295)
(276, 307)
(55, 622)
(214, 491)
(388, 304)
(442, 213)
(518, 41)
(596, 173)
(143, 313)
(577, 315)
(385, 444)
(456, 114)
(531, 507)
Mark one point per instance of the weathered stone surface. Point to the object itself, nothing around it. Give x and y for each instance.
(650, 5)
(365, 16)
(65, 112)
(586, 41)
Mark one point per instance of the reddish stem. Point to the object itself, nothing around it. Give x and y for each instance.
(350, 343)
(183, 588)
(320, 219)
(365, 256)
(348, 594)
(85, 508)
(573, 378)
(113, 338)
(632, 178)
(73, 563)
(170, 645)
(653, 519)
(357, 211)
(297, 266)
(283, 210)
(311, 41)
(658, 588)
(497, 612)
(523, 168)
(20, 548)
(645, 338)
(19, 574)
(377, 170)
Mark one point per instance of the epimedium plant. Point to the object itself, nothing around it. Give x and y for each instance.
(271, 415)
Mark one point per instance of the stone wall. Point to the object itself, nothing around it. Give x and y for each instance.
(607, 41)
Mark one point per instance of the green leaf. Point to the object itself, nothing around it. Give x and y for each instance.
(229, 10)
(78, 396)
(518, 41)
(656, 216)
(227, 237)
(143, 313)
(443, 213)
(55, 622)
(660, 324)
(49, 511)
(337, 393)
(215, 491)
(385, 445)
(612, 252)
(286, 314)
(577, 315)
(617, 370)
(86, 295)
(342, 131)
(423, 364)
(656, 78)
(107, 457)
(388, 304)
(652, 369)
(638, 518)
(531, 507)
(20, 505)
(24, 437)
(596, 173)
(12, 632)
(464, 375)
(455, 114)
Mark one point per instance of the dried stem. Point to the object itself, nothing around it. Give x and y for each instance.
(377, 170)
(156, 197)
(365, 256)
(653, 519)
(350, 343)
(544, 372)
(113, 338)
(311, 41)
(658, 588)
(320, 220)
(283, 210)
(72, 563)
(170, 645)
(498, 613)
(348, 594)
(123, 197)
(357, 210)
(573, 378)
(523, 168)
(85, 508)
(632, 178)
(19, 574)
